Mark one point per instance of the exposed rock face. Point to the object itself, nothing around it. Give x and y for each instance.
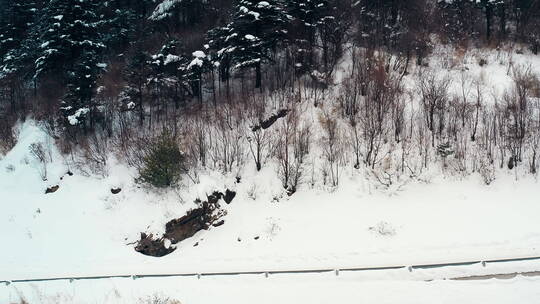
(267, 123)
(52, 189)
(116, 190)
(153, 247)
(195, 220)
(229, 196)
(207, 214)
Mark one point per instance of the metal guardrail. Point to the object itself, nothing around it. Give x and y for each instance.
(270, 272)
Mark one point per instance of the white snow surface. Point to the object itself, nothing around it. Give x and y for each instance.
(313, 289)
(85, 230)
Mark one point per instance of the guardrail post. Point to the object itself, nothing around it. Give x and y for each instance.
(483, 263)
(134, 277)
(198, 276)
(337, 272)
(410, 268)
(71, 280)
(266, 274)
(8, 283)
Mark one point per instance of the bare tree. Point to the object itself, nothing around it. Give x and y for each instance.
(434, 95)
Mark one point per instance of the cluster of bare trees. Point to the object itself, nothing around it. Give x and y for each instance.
(470, 129)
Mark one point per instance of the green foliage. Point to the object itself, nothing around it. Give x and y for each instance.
(163, 162)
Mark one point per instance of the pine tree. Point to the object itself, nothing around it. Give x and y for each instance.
(136, 77)
(254, 33)
(70, 51)
(194, 71)
(17, 18)
(119, 25)
(308, 17)
(219, 52)
(185, 12)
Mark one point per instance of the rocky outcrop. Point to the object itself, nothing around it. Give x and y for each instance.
(267, 123)
(52, 189)
(147, 245)
(208, 213)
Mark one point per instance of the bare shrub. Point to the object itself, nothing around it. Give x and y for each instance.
(95, 152)
(43, 155)
(258, 136)
(197, 138)
(158, 299)
(434, 96)
(486, 170)
(292, 147)
(381, 101)
(228, 148)
(333, 147)
(518, 112)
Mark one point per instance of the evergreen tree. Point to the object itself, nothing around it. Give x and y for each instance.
(16, 19)
(70, 50)
(254, 33)
(219, 54)
(136, 77)
(308, 17)
(119, 25)
(185, 12)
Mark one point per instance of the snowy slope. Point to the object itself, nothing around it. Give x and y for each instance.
(84, 230)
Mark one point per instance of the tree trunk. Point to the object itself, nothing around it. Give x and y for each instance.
(488, 21)
(258, 76)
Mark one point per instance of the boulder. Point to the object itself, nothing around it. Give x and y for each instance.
(147, 245)
(52, 189)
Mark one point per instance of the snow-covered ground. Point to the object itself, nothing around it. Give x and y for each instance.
(84, 230)
(313, 289)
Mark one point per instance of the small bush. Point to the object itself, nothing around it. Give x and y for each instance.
(163, 162)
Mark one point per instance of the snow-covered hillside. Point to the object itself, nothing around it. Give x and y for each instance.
(83, 229)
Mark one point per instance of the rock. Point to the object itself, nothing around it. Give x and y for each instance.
(219, 223)
(195, 220)
(52, 189)
(256, 238)
(116, 190)
(267, 123)
(147, 245)
(511, 163)
(205, 215)
(214, 198)
(229, 196)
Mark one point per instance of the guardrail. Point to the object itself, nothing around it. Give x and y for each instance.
(270, 272)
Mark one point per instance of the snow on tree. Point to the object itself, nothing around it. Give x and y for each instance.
(16, 19)
(308, 16)
(256, 29)
(187, 11)
(69, 50)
